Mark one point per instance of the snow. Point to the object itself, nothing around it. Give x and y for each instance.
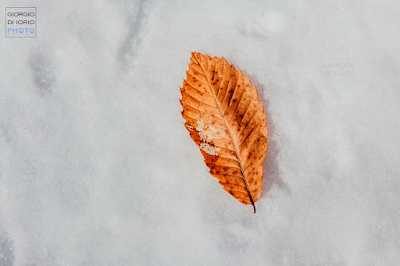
(97, 168)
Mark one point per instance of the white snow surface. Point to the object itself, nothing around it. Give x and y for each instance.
(97, 168)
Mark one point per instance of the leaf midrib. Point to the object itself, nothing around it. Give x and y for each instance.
(229, 131)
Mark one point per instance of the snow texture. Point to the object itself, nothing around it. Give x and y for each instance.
(97, 168)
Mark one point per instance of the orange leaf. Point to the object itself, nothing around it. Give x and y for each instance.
(226, 120)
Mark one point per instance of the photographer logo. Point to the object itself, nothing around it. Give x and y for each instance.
(20, 22)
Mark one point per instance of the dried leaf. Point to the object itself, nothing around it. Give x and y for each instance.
(226, 120)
